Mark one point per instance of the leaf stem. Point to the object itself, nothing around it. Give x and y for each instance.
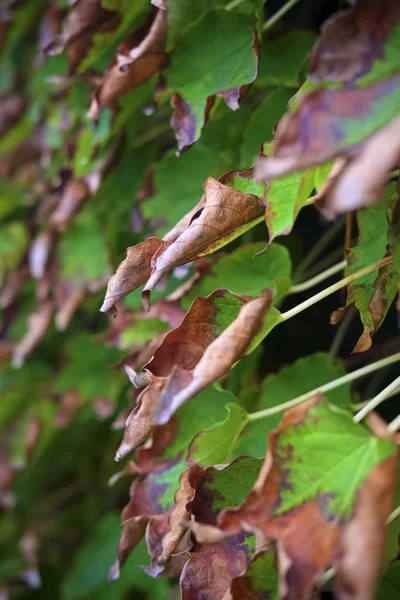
(233, 4)
(300, 287)
(334, 288)
(375, 366)
(381, 397)
(279, 14)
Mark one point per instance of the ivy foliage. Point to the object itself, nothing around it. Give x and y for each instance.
(169, 281)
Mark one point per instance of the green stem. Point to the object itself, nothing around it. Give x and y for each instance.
(375, 366)
(300, 287)
(279, 14)
(334, 288)
(233, 4)
(381, 397)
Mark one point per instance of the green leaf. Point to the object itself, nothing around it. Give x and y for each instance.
(204, 64)
(213, 447)
(261, 125)
(261, 579)
(284, 58)
(389, 583)
(331, 458)
(11, 196)
(82, 250)
(304, 375)
(78, 372)
(270, 269)
(142, 331)
(183, 13)
(13, 242)
(285, 198)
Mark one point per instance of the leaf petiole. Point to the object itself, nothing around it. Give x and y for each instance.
(375, 366)
(381, 397)
(301, 287)
(334, 288)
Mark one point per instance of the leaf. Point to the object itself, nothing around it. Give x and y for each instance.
(141, 331)
(361, 181)
(131, 273)
(262, 123)
(199, 71)
(269, 270)
(219, 356)
(285, 198)
(78, 371)
(209, 572)
(283, 58)
(302, 376)
(327, 511)
(259, 581)
(14, 238)
(212, 448)
(328, 122)
(82, 251)
(147, 512)
(135, 63)
(38, 323)
(83, 20)
(373, 293)
(367, 35)
(226, 215)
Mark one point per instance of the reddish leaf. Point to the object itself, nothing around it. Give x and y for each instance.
(351, 40)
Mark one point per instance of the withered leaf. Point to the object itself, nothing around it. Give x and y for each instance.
(39, 253)
(212, 566)
(327, 123)
(84, 19)
(74, 195)
(147, 512)
(306, 504)
(38, 323)
(351, 40)
(131, 273)
(361, 181)
(226, 214)
(11, 109)
(135, 63)
(216, 361)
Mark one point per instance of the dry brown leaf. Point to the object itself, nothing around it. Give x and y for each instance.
(140, 420)
(351, 40)
(11, 108)
(216, 361)
(131, 273)
(226, 214)
(362, 181)
(178, 518)
(38, 324)
(134, 64)
(84, 19)
(74, 195)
